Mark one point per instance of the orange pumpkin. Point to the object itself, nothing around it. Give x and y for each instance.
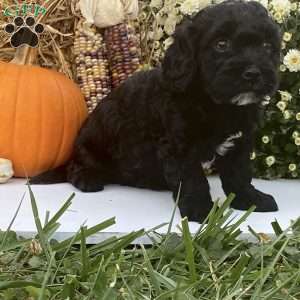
(41, 113)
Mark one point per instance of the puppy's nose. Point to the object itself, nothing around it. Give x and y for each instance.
(252, 73)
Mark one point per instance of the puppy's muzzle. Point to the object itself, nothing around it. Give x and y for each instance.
(252, 74)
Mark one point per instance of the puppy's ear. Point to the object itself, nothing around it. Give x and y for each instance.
(179, 65)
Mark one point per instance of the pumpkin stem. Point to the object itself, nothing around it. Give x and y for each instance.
(25, 55)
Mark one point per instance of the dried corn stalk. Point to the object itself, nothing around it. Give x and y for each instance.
(123, 52)
(91, 65)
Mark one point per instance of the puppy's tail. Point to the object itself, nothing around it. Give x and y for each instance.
(56, 175)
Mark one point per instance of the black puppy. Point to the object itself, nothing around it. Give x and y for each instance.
(203, 105)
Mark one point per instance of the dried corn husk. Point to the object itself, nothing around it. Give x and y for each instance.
(106, 13)
(91, 65)
(123, 52)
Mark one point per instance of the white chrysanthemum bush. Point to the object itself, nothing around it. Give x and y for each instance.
(277, 152)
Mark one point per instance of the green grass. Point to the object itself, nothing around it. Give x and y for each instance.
(212, 264)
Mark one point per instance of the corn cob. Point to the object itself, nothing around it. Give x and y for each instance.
(123, 52)
(92, 66)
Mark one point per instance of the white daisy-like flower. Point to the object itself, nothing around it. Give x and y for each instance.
(279, 19)
(265, 139)
(283, 45)
(287, 36)
(281, 105)
(285, 96)
(292, 60)
(287, 114)
(298, 116)
(295, 134)
(282, 68)
(294, 6)
(292, 167)
(189, 7)
(297, 141)
(270, 160)
(281, 6)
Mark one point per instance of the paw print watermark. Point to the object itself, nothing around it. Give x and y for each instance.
(24, 31)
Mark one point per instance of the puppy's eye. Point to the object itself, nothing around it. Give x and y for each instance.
(222, 45)
(268, 47)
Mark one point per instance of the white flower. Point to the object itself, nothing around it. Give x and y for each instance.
(285, 96)
(287, 36)
(297, 141)
(279, 19)
(286, 114)
(298, 116)
(168, 42)
(292, 60)
(189, 7)
(282, 7)
(294, 6)
(156, 4)
(270, 160)
(295, 134)
(281, 105)
(253, 155)
(282, 68)
(292, 167)
(265, 139)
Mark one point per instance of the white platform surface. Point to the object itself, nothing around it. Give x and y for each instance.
(134, 209)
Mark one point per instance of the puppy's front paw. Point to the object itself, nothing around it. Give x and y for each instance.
(86, 181)
(194, 208)
(262, 201)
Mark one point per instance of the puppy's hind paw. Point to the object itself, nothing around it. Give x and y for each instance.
(86, 181)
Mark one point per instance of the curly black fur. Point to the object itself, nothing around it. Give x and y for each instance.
(157, 129)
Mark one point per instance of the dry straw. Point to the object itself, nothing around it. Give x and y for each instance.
(56, 43)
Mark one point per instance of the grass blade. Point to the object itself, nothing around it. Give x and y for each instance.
(11, 223)
(46, 278)
(90, 231)
(189, 248)
(84, 255)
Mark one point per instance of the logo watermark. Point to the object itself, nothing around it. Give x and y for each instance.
(24, 9)
(24, 29)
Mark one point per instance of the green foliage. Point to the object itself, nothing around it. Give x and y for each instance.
(214, 263)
